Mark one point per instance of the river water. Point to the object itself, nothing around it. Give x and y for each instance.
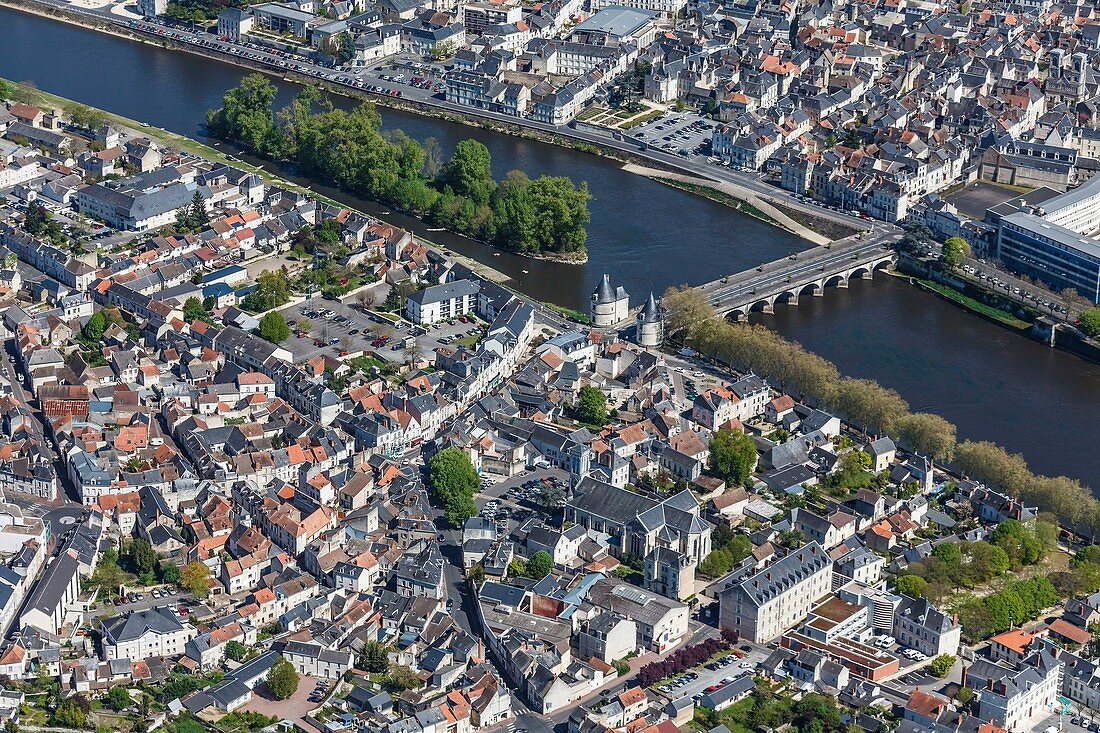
(994, 385)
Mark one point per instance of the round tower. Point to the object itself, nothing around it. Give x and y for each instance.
(609, 305)
(651, 324)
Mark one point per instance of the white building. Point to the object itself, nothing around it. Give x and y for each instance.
(442, 302)
(778, 597)
(156, 632)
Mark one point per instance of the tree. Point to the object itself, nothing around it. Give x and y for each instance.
(271, 291)
(194, 310)
(964, 695)
(911, 585)
(236, 651)
(375, 658)
(716, 564)
(169, 573)
(118, 698)
(941, 665)
(195, 578)
(304, 324)
(539, 565)
(870, 405)
(992, 464)
(246, 113)
(954, 251)
(444, 50)
(141, 557)
(1089, 322)
(928, 434)
(732, 457)
(282, 680)
(402, 678)
(453, 480)
(70, 714)
(273, 327)
(93, 328)
(469, 172)
(591, 406)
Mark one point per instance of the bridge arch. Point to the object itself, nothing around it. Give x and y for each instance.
(839, 280)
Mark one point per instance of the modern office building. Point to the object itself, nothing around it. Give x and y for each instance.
(1060, 257)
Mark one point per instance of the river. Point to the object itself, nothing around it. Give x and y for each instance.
(993, 384)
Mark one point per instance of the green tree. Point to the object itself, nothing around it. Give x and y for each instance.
(246, 114)
(236, 651)
(271, 291)
(469, 172)
(119, 698)
(375, 658)
(591, 406)
(453, 480)
(70, 714)
(992, 464)
(942, 665)
(282, 680)
(716, 564)
(1089, 322)
(402, 678)
(539, 565)
(732, 456)
(954, 251)
(870, 405)
(194, 310)
(911, 585)
(141, 557)
(169, 573)
(195, 578)
(928, 434)
(561, 213)
(273, 327)
(964, 695)
(93, 328)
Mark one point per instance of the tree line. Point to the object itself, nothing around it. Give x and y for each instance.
(871, 407)
(349, 149)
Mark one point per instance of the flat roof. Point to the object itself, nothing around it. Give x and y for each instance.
(617, 20)
(284, 11)
(1072, 197)
(1057, 234)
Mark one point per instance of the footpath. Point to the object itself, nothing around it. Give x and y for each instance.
(738, 192)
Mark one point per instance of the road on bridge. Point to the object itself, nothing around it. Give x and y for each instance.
(764, 280)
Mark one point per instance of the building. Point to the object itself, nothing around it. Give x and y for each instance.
(651, 324)
(670, 8)
(442, 302)
(53, 604)
(779, 597)
(152, 8)
(156, 632)
(638, 524)
(1053, 254)
(314, 660)
(280, 18)
(606, 637)
(140, 203)
(609, 306)
(661, 622)
(670, 573)
(1017, 697)
(234, 23)
(616, 24)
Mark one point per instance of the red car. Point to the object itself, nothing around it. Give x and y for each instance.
(318, 342)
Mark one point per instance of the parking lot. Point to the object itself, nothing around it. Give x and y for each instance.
(685, 133)
(346, 329)
(696, 682)
(509, 503)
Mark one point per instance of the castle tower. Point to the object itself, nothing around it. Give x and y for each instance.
(609, 305)
(651, 324)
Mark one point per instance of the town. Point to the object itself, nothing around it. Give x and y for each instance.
(903, 114)
(270, 463)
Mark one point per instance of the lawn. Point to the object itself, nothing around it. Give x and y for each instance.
(732, 717)
(973, 304)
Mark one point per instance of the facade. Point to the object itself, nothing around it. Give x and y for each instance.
(442, 302)
(157, 632)
(606, 637)
(283, 18)
(1017, 697)
(152, 8)
(778, 597)
(1050, 253)
(234, 23)
(609, 305)
(920, 625)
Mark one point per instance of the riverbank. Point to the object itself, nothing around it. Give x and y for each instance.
(40, 98)
(799, 222)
